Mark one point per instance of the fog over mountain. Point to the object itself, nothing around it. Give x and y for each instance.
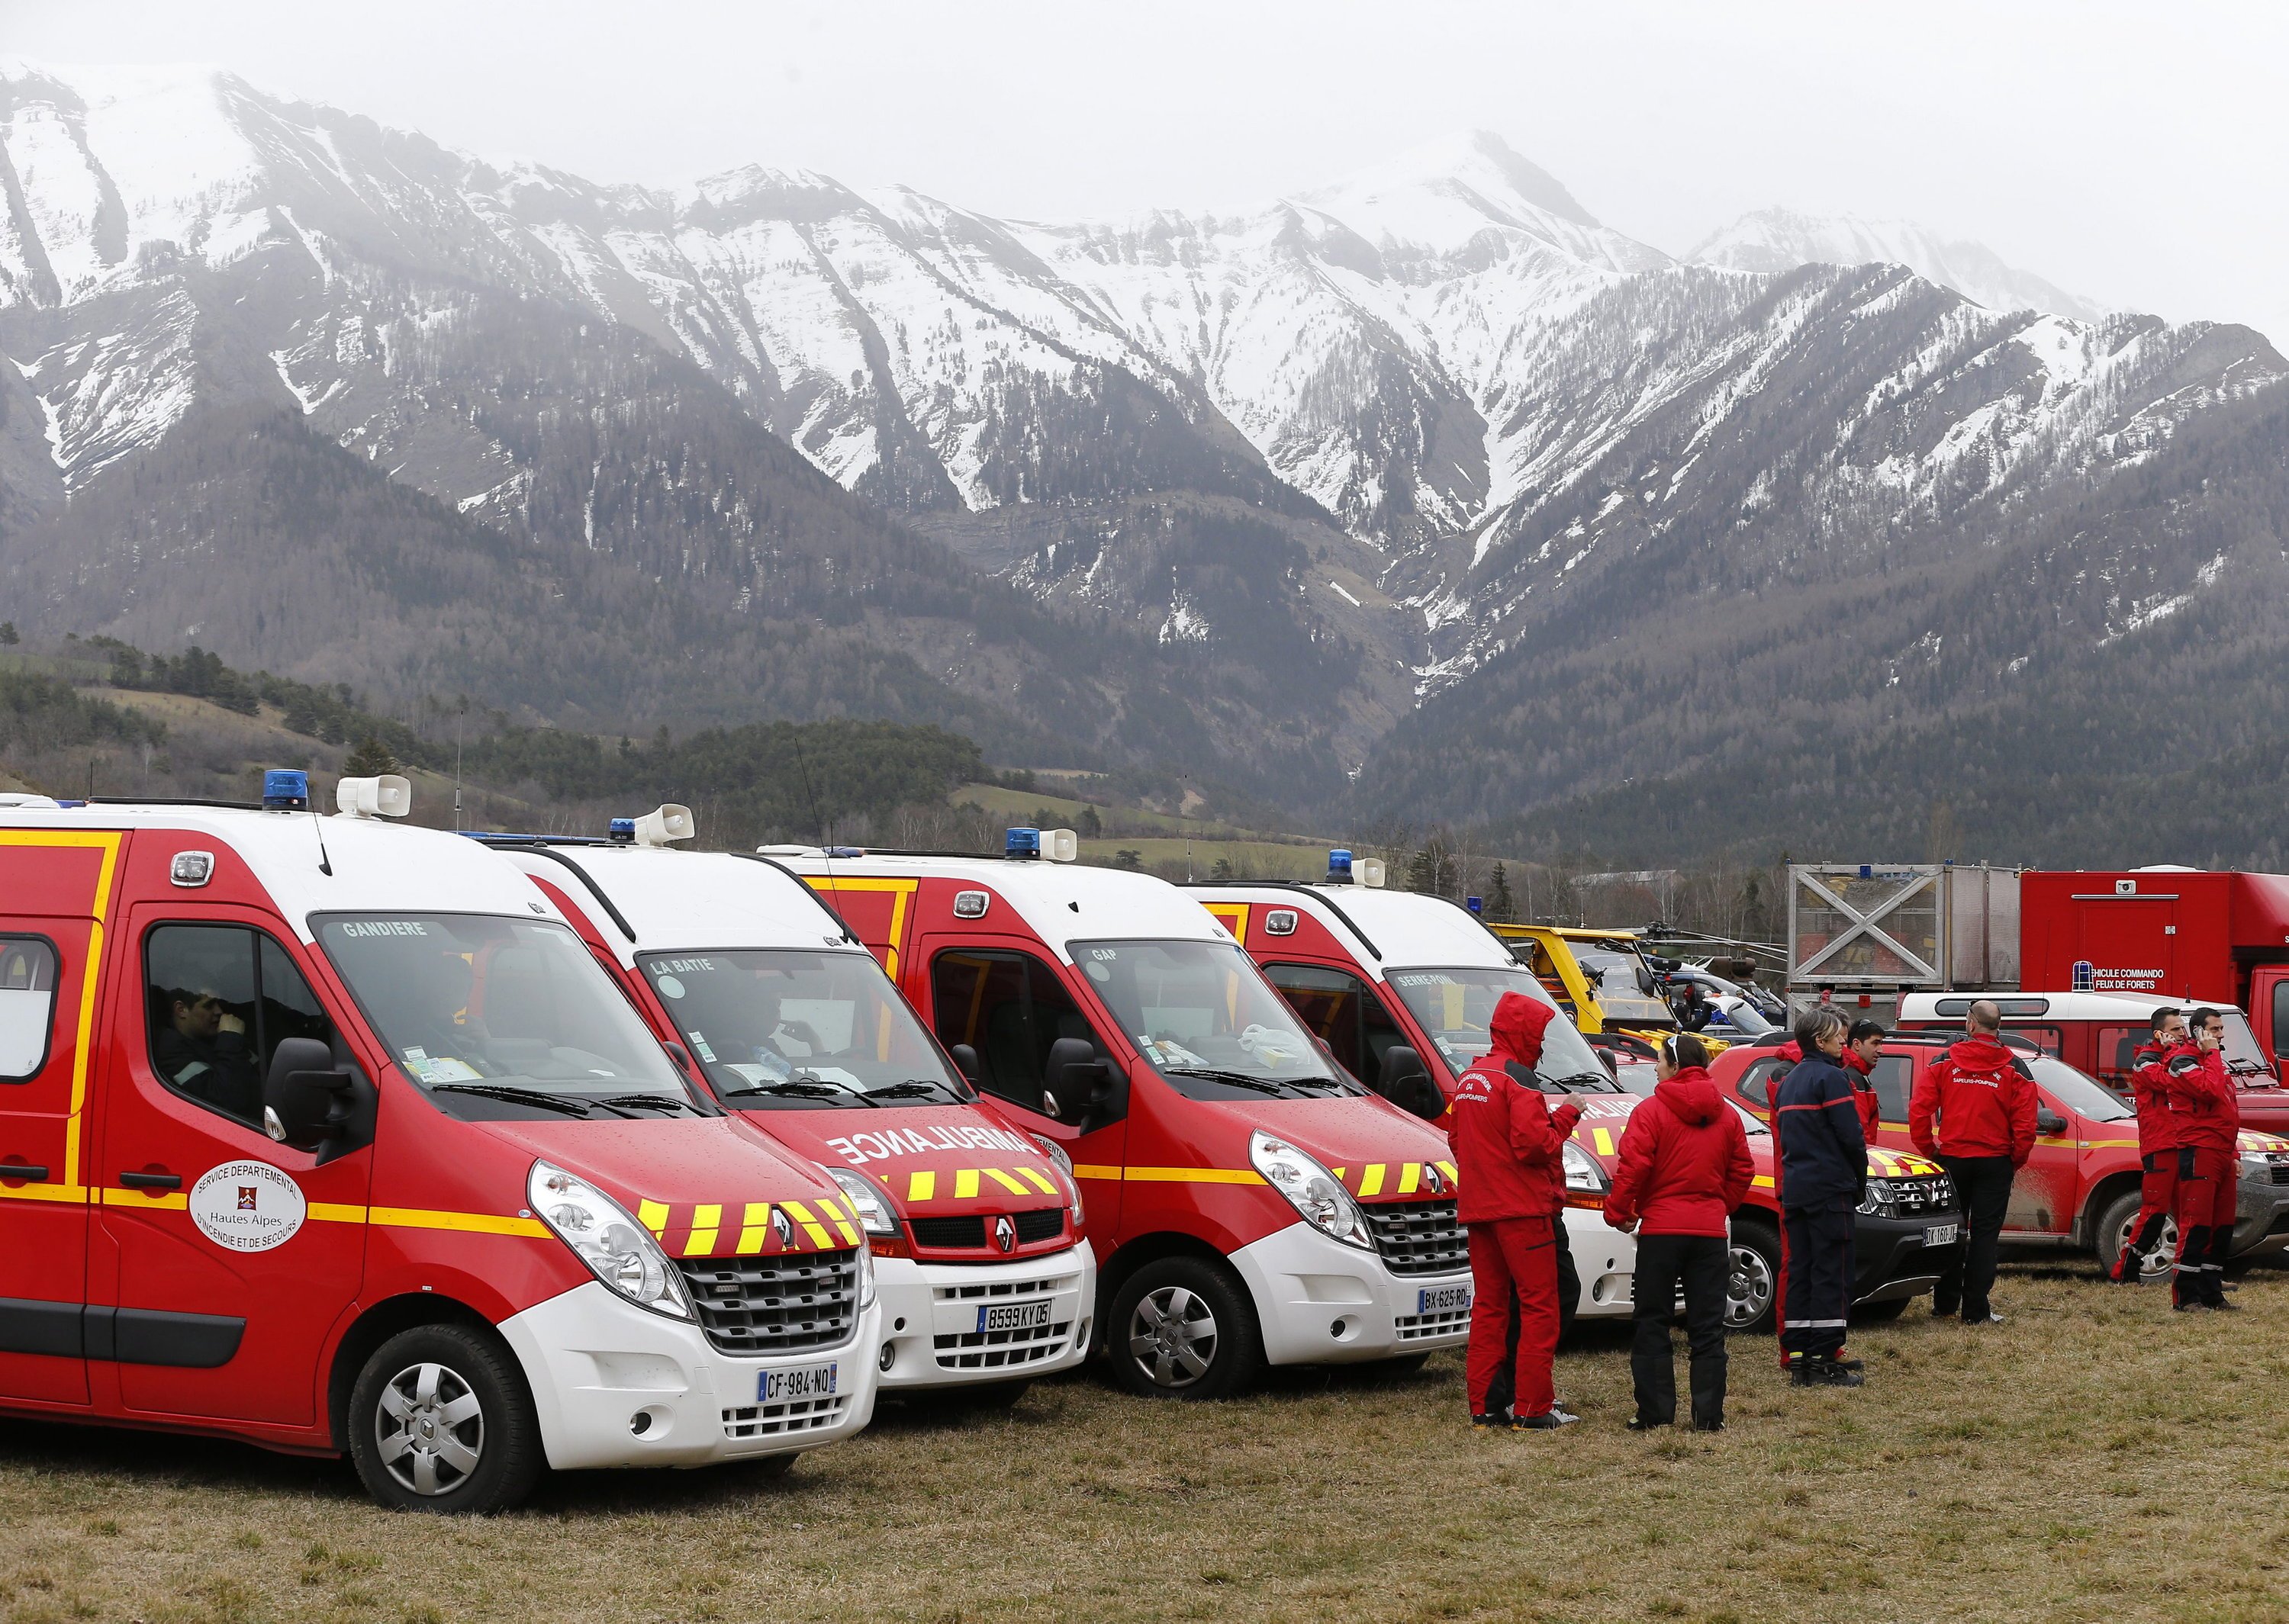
(1319, 498)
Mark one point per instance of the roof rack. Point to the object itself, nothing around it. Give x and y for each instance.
(174, 800)
(1307, 889)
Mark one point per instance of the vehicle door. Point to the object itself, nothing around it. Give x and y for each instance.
(2268, 1012)
(230, 1258)
(47, 1005)
(1011, 1008)
(1344, 1012)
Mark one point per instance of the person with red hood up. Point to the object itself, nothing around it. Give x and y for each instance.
(1509, 1148)
(1973, 1112)
(1683, 1168)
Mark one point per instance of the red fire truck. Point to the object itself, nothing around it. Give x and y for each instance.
(1249, 1202)
(330, 1136)
(986, 1280)
(1398, 985)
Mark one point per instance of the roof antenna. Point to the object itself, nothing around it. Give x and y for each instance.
(287, 789)
(825, 840)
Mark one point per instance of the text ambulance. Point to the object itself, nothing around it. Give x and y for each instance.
(975, 1226)
(330, 1136)
(1247, 1202)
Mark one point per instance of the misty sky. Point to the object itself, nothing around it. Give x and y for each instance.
(2135, 153)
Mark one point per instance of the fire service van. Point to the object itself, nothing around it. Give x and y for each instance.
(985, 1275)
(1249, 1202)
(329, 1134)
(1407, 982)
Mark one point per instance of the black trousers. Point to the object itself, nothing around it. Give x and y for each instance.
(1503, 1391)
(1983, 1183)
(1700, 1263)
(1819, 1279)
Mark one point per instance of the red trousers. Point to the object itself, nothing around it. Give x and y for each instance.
(2157, 1199)
(1513, 1255)
(2207, 1203)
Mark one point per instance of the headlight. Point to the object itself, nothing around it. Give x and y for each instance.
(876, 1215)
(1584, 1176)
(1056, 1153)
(620, 1251)
(865, 1276)
(1310, 1189)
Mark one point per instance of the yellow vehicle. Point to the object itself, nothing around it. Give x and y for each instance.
(1601, 978)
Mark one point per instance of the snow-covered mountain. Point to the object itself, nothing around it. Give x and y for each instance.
(1782, 239)
(1434, 408)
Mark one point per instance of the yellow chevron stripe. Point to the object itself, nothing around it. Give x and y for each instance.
(812, 1227)
(1371, 1179)
(1005, 1181)
(965, 1183)
(706, 1221)
(653, 1215)
(922, 1186)
(1410, 1174)
(754, 1223)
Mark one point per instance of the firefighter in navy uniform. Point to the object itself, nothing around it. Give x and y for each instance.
(1824, 1157)
(2202, 1091)
(1509, 1146)
(2158, 1140)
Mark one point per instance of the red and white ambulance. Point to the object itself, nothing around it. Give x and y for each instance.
(329, 1134)
(985, 1277)
(1400, 988)
(1249, 1202)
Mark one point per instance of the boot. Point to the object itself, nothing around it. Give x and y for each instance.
(1835, 1374)
(2186, 1273)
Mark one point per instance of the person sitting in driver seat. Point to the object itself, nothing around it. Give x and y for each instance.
(203, 1050)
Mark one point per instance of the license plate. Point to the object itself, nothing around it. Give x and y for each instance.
(1940, 1235)
(1440, 1298)
(803, 1381)
(1013, 1317)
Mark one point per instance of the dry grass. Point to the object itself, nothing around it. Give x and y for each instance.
(2096, 1458)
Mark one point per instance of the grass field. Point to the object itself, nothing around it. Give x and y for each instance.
(2096, 1458)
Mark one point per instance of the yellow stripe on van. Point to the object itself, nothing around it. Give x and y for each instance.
(754, 1223)
(1371, 1179)
(653, 1215)
(922, 1186)
(811, 1226)
(965, 1183)
(1006, 1182)
(706, 1222)
(1038, 1180)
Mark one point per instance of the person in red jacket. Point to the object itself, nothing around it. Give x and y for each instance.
(2209, 1112)
(1864, 1046)
(1683, 1168)
(1973, 1112)
(1508, 1147)
(2158, 1141)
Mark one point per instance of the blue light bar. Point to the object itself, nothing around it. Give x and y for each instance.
(1476, 904)
(1023, 845)
(285, 788)
(1339, 867)
(623, 830)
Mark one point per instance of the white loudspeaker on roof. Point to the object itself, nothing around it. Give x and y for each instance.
(664, 823)
(386, 796)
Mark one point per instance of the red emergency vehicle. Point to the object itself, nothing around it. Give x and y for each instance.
(330, 1136)
(1249, 1202)
(2079, 1188)
(985, 1277)
(1395, 983)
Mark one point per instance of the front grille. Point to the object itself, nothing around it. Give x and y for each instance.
(763, 1420)
(767, 1305)
(2281, 1173)
(967, 1231)
(1003, 1350)
(1446, 1322)
(1418, 1237)
(1913, 1197)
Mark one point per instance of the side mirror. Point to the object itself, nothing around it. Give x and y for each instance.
(682, 1056)
(1079, 1088)
(307, 1102)
(2048, 1121)
(965, 1059)
(1405, 1082)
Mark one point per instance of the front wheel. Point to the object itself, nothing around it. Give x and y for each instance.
(2114, 1233)
(1183, 1328)
(440, 1420)
(1752, 1277)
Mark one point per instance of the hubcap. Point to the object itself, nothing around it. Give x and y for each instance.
(430, 1427)
(1748, 1288)
(1173, 1336)
(2156, 1262)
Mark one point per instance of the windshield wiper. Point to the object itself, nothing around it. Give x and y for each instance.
(646, 1102)
(914, 1088)
(1238, 1079)
(515, 1097)
(808, 1087)
(1600, 1083)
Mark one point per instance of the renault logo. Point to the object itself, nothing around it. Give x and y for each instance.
(784, 1228)
(1434, 1180)
(1005, 1233)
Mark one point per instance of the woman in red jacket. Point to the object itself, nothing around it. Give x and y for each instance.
(1509, 1148)
(1683, 1168)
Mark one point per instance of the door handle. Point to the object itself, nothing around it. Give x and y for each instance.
(152, 1180)
(23, 1171)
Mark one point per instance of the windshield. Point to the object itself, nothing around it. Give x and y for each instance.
(499, 1008)
(1201, 1011)
(2243, 1057)
(1454, 1005)
(1623, 987)
(2079, 1093)
(783, 1029)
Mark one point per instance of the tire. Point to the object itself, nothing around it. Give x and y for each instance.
(2113, 1233)
(440, 1420)
(1752, 1286)
(1882, 1313)
(1183, 1328)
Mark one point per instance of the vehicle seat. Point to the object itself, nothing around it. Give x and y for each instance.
(1010, 1063)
